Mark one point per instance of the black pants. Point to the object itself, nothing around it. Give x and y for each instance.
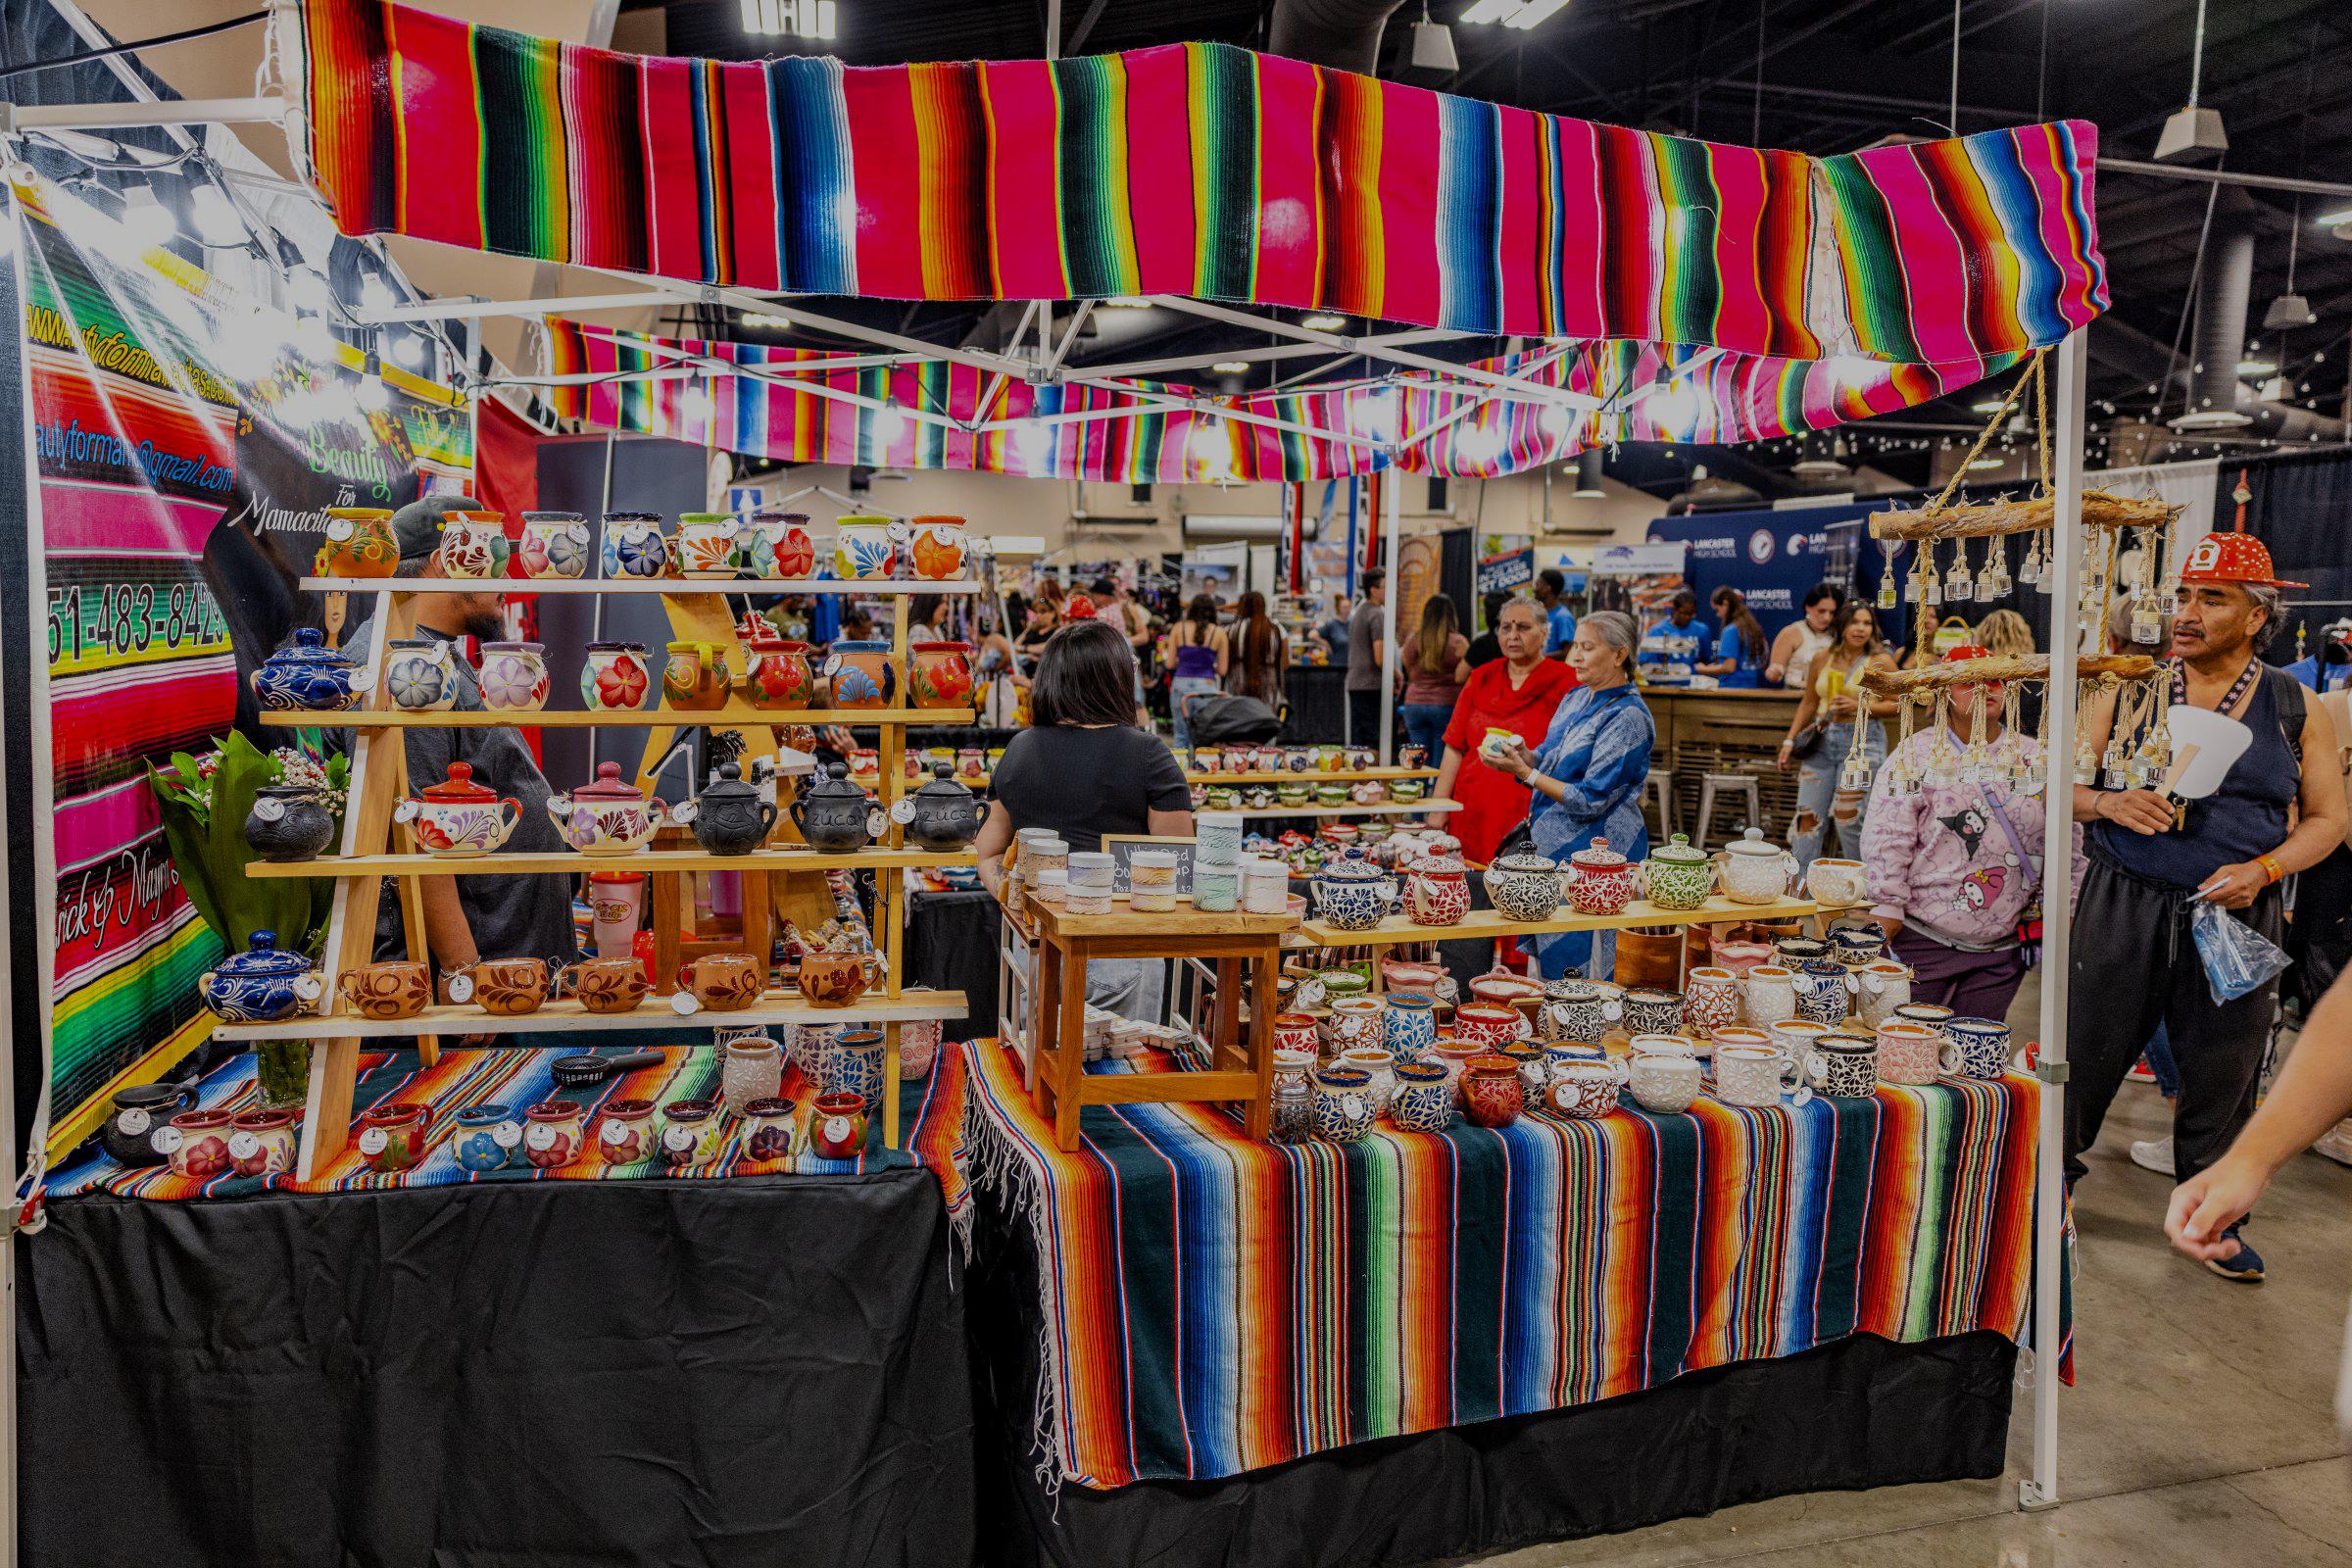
(1363, 717)
(2134, 964)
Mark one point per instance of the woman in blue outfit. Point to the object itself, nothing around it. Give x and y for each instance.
(1588, 774)
(1738, 659)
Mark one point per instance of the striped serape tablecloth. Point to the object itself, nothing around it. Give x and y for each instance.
(1211, 1305)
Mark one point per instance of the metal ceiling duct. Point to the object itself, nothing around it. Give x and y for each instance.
(2219, 337)
(1342, 35)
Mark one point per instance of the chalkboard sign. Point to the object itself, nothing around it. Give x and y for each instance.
(1121, 849)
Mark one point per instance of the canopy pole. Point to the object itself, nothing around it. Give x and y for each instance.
(2041, 1488)
(1389, 508)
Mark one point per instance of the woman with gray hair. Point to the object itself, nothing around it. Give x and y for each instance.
(1588, 774)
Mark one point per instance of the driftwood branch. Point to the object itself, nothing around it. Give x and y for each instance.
(2005, 667)
(2101, 509)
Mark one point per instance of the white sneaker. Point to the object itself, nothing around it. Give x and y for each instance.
(2156, 1154)
(2337, 1143)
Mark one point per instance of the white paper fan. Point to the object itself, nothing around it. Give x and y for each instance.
(2204, 746)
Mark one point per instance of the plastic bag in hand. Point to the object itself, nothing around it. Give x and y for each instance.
(2237, 957)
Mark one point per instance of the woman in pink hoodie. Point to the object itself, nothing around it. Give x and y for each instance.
(1954, 866)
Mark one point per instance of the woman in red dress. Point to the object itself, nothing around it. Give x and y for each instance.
(1517, 692)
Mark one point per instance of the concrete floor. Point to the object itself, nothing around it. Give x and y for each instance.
(2200, 1431)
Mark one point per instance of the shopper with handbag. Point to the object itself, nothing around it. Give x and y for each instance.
(1823, 732)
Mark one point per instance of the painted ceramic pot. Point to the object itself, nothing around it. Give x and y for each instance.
(1822, 992)
(504, 988)
(624, 1131)
(608, 817)
(837, 979)
(1854, 945)
(935, 547)
(1755, 1075)
(1523, 887)
(288, 822)
(1768, 994)
(515, 678)
(1528, 1059)
(1354, 1022)
(1506, 990)
(615, 677)
(634, 546)
(1911, 1053)
(360, 543)
(729, 816)
(386, 992)
(1352, 894)
(1583, 1088)
(1408, 1026)
(488, 1137)
(1492, 1095)
(1980, 1048)
(832, 814)
(1664, 1082)
(306, 677)
(1343, 1103)
(712, 544)
(753, 1070)
(261, 985)
(696, 678)
(456, 817)
(1437, 891)
(779, 675)
(196, 1143)
(1879, 988)
(692, 1133)
(1677, 876)
(1454, 1055)
(473, 544)
(1652, 1011)
(858, 675)
(1934, 1014)
(1422, 1100)
(1297, 1031)
(837, 1126)
(1486, 1024)
(1600, 881)
(864, 548)
(420, 674)
(603, 985)
(767, 1128)
(1793, 951)
(138, 1113)
(1844, 1066)
(1581, 1010)
(722, 982)
(1833, 881)
(262, 1143)
(1405, 978)
(939, 675)
(854, 1066)
(780, 546)
(919, 1040)
(1710, 1000)
(948, 816)
(391, 1138)
(554, 544)
(551, 1133)
(1754, 872)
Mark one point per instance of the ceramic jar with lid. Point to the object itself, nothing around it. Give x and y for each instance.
(1351, 893)
(935, 547)
(729, 816)
(391, 1138)
(420, 674)
(832, 814)
(473, 544)
(551, 1133)
(288, 822)
(261, 985)
(456, 817)
(138, 1111)
(306, 676)
(947, 814)
(691, 1133)
(1600, 881)
(489, 1137)
(515, 678)
(360, 543)
(608, 817)
(554, 544)
(1677, 876)
(624, 1131)
(261, 1142)
(1523, 887)
(780, 545)
(1437, 890)
(1754, 872)
(712, 544)
(615, 677)
(866, 547)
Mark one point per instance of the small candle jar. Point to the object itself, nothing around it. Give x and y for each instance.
(836, 1130)
(487, 1138)
(391, 1137)
(767, 1128)
(196, 1142)
(624, 1134)
(551, 1133)
(755, 1071)
(262, 1143)
(691, 1133)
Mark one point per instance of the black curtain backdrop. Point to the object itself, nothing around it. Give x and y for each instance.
(1458, 573)
(540, 1375)
(2302, 508)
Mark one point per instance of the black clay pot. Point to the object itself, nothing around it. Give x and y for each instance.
(831, 813)
(947, 814)
(128, 1132)
(287, 822)
(729, 817)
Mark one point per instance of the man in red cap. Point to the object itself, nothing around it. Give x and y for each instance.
(2135, 963)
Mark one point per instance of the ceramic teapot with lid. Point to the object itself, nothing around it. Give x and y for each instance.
(608, 817)
(306, 675)
(946, 816)
(1351, 893)
(1600, 881)
(1437, 890)
(261, 985)
(458, 818)
(729, 816)
(1677, 876)
(832, 814)
(1523, 887)
(1754, 872)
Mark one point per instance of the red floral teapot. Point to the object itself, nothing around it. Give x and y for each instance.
(1437, 890)
(1600, 880)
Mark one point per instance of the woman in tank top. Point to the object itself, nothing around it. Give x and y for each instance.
(1202, 654)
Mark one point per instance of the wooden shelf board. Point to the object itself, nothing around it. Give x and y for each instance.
(450, 1022)
(634, 585)
(1182, 921)
(1396, 928)
(563, 863)
(1386, 808)
(1351, 775)
(732, 717)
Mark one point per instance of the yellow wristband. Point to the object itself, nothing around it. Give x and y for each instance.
(2270, 863)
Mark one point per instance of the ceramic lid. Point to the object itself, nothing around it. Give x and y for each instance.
(941, 648)
(942, 785)
(850, 647)
(608, 785)
(1350, 866)
(692, 1110)
(309, 648)
(937, 520)
(553, 1110)
(1600, 857)
(1524, 862)
(862, 519)
(779, 516)
(553, 517)
(1440, 865)
(651, 519)
(513, 648)
(263, 957)
(460, 785)
(1678, 849)
(617, 648)
(1752, 843)
(628, 1109)
(833, 780)
(730, 787)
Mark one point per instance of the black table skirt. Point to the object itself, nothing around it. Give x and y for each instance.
(762, 1371)
(1861, 1412)
(951, 946)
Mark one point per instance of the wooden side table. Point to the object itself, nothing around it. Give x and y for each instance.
(1246, 950)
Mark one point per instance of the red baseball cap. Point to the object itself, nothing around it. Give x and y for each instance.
(2233, 557)
(1967, 651)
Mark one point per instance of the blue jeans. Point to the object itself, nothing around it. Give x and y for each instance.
(1179, 688)
(2158, 1055)
(1817, 794)
(1425, 726)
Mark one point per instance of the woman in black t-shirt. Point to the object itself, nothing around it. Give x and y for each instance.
(1084, 768)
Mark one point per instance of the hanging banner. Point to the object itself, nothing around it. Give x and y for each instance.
(183, 459)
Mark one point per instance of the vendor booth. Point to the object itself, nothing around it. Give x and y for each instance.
(780, 1217)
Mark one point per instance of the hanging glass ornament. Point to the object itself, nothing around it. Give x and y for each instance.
(2029, 570)
(1957, 585)
(1888, 598)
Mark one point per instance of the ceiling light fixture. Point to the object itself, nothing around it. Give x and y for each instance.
(2192, 133)
(803, 19)
(371, 394)
(145, 220)
(1520, 14)
(1125, 302)
(1324, 323)
(766, 321)
(2257, 367)
(1230, 368)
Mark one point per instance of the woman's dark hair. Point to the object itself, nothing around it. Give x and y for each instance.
(1261, 640)
(1202, 611)
(1684, 599)
(1732, 604)
(1847, 610)
(1085, 676)
(1823, 590)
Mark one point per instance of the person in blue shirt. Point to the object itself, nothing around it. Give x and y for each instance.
(2328, 670)
(1740, 652)
(1559, 621)
(1676, 645)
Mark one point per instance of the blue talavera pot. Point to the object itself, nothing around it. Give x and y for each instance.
(1353, 893)
(489, 1137)
(634, 545)
(306, 677)
(261, 985)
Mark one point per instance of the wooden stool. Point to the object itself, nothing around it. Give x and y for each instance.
(1711, 784)
(1246, 949)
(1660, 783)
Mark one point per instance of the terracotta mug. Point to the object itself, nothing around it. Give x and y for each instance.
(386, 992)
(724, 982)
(506, 988)
(1486, 1024)
(837, 979)
(603, 985)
